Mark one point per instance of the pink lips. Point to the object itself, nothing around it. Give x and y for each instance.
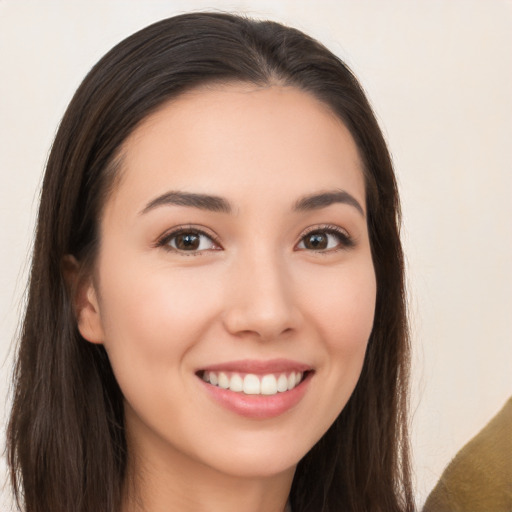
(258, 406)
(259, 367)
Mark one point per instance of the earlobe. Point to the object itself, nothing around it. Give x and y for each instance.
(84, 298)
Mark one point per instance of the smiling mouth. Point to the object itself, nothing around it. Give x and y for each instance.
(252, 384)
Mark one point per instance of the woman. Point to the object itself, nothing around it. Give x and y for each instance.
(216, 314)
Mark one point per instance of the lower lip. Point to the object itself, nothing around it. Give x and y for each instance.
(258, 406)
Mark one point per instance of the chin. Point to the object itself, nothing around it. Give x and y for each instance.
(257, 457)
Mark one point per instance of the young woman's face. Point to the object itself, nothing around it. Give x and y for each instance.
(234, 289)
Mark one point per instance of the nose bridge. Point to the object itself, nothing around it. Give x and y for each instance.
(262, 299)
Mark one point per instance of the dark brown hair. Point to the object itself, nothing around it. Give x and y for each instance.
(66, 443)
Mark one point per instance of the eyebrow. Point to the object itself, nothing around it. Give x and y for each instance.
(221, 205)
(201, 201)
(317, 201)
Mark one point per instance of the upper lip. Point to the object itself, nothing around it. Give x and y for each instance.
(258, 366)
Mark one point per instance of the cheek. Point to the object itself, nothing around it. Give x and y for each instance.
(345, 308)
(153, 317)
(344, 313)
(153, 321)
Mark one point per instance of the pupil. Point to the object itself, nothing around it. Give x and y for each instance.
(317, 241)
(187, 241)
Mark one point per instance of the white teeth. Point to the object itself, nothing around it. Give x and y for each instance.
(252, 384)
(282, 383)
(223, 380)
(236, 383)
(268, 385)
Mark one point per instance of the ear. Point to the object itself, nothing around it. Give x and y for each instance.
(84, 300)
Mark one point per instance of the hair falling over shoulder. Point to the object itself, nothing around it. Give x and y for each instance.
(66, 439)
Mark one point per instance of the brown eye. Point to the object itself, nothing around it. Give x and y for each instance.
(189, 241)
(316, 241)
(325, 240)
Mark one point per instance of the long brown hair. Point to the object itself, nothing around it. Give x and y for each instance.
(66, 442)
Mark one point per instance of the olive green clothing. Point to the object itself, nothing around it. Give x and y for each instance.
(479, 478)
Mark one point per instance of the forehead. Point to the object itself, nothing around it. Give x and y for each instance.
(243, 140)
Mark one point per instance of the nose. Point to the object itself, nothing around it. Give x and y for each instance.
(261, 299)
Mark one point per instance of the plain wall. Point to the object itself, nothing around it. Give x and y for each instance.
(439, 75)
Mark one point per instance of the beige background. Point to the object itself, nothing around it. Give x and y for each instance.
(439, 75)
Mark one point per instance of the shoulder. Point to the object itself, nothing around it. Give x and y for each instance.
(479, 477)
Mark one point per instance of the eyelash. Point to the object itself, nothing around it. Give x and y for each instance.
(164, 241)
(345, 241)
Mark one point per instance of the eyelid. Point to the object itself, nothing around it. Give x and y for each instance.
(163, 240)
(346, 240)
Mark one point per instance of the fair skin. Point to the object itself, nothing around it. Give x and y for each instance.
(274, 278)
